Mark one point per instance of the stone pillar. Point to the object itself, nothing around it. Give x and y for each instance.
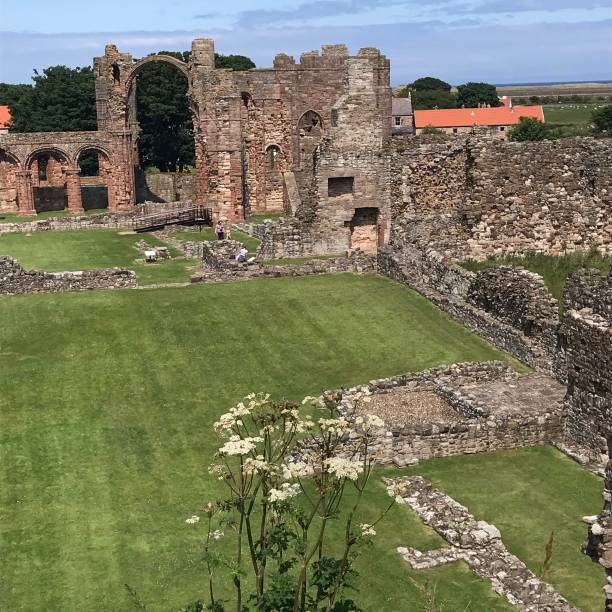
(73, 192)
(25, 194)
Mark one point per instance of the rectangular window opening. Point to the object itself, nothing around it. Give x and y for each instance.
(339, 186)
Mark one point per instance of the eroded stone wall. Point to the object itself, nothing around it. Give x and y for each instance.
(15, 280)
(472, 198)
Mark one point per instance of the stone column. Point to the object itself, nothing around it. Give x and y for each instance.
(73, 191)
(25, 194)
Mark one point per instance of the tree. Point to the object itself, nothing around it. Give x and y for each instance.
(429, 84)
(235, 62)
(62, 99)
(166, 128)
(429, 93)
(471, 95)
(430, 129)
(602, 121)
(528, 128)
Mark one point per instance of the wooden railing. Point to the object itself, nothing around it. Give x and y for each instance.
(190, 215)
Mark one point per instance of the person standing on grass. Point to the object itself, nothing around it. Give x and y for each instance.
(220, 230)
(228, 231)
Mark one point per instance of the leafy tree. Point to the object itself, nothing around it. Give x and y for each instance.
(166, 137)
(10, 93)
(430, 129)
(62, 99)
(429, 83)
(429, 93)
(235, 62)
(602, 121)
(471, 95)
(528, 128)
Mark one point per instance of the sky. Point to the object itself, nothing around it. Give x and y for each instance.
(499, 41)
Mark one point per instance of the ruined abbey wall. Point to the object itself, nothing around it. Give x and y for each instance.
(474, 197)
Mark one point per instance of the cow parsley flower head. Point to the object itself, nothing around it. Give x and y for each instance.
(338, 426)
(285, 492)
(297, 469)
(367, 530)
(344, 468)
(192, 520)
(226, 422)
(251, 466)
(238, 446)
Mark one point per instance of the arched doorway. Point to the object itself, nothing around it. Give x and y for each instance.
(95, 178)
(157, 94)
(50, 170)
(310, 132)
(9, 167)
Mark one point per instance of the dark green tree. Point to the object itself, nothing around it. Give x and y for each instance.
(602, 121)
(429, 83)
(471, 95)
(235, 62)
(428, 93)
(528, 128)
(10, 93)
(166, 137)
(62, 99)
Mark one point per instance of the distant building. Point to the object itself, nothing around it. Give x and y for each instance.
(5, 119)
(461, 120)
(402, 119)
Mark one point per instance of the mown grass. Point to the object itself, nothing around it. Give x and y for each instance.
(528, 494)
(106, 405)
(262, 217)
(89, 249)
(553, 269)
(570, 114)
(208, 233)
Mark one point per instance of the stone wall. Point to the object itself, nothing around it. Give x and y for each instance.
(101, 221)
(480, 425)
(586, 332)
(510, 308)
(164, 186)
(15, 280)
(475, 197)
(287, 238)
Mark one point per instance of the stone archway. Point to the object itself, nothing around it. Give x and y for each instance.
(365, 230)
(95, 179)
(54, 182)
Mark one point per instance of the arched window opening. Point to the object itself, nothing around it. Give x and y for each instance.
(247, 99)
(272, 155)
(310, 132)
(48, 170)
(94, 176)
(116, 73)
(158, 96)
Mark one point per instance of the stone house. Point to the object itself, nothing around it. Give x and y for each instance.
(402, 116)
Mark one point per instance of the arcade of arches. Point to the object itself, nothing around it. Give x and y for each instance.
(265, 139)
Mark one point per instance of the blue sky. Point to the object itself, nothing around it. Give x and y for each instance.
(499, 41)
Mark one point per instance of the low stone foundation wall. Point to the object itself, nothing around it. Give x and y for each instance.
(289, 237)
(15, 280)
(529, 414)
(226, 269)
(83, 222)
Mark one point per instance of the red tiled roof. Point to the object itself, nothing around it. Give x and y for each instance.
(467, 117)
(5, 117)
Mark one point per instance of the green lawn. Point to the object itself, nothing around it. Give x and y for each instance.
(261, 217)
(569, 114)
(299, 260)
(88, 249)
(208, 233)
(554, 270)
(106, 405)
(527, 494)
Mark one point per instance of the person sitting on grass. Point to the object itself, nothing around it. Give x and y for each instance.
(242, 254)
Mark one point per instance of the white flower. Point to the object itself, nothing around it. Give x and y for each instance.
(339, 425)
(367, 530)
(226, 421)
(217, 534)
(239, 446)
(297, 469)
(240, 410)
(286, 491)
(344, 468)
(394, 491)
(399, 499)
(258, 464)
(192, 520)
(371, 421)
